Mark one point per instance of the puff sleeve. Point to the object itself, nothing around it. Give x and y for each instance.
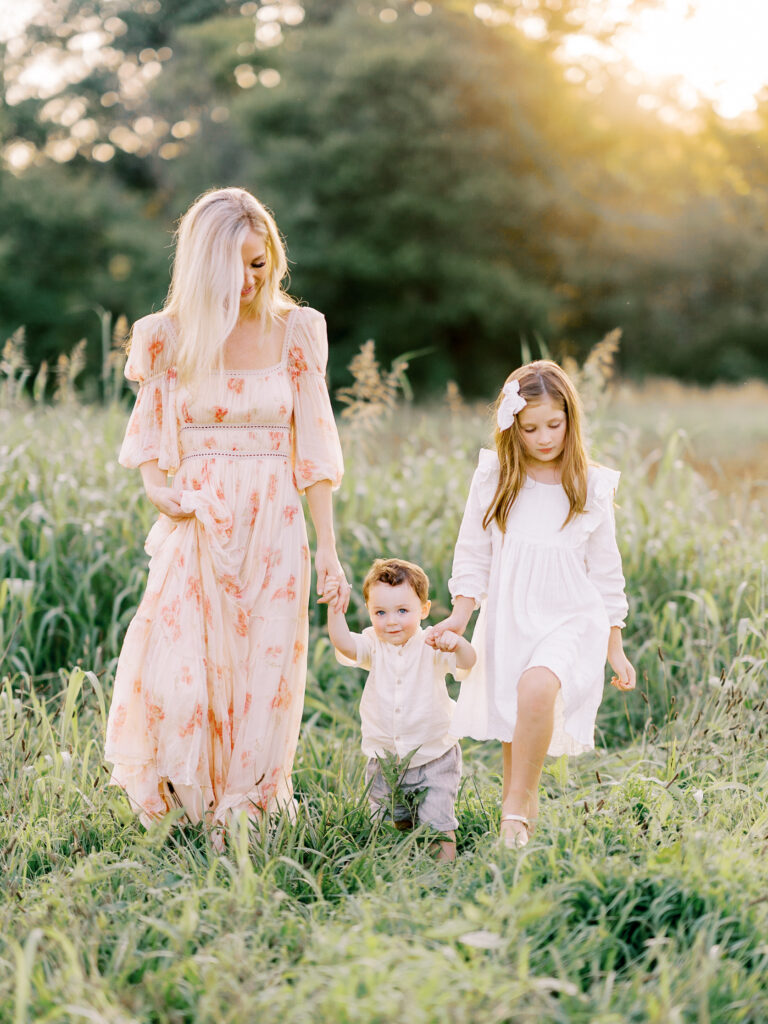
(603, 560)
(316, 447)
(152, 431)
(474, 549)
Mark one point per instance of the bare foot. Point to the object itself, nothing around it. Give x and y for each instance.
(444, 849)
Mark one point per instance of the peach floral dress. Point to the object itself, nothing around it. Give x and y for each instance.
(209, 688)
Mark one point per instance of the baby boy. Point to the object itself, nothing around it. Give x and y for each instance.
(405, 708)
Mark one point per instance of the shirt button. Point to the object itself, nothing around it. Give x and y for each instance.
(397, 739)
(398, 681)
(397, 711)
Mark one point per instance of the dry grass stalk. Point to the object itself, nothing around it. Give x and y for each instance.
(14, 360)
(68, 368)
(454, 399)
(14, 368)
(373, 393)
(595, 373)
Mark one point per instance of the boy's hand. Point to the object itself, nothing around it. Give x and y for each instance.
(449, 625)
(336, 593)
(446, 641)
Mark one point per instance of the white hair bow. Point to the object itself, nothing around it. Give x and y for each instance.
(511, 404)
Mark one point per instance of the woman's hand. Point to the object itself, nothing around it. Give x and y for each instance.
(625, 678)
(332, 586)
(166, 500)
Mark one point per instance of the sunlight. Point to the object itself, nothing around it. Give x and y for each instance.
(716, 48)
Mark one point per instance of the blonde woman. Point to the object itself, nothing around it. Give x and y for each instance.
(231, 424)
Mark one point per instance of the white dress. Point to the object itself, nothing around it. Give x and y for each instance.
(548, 597)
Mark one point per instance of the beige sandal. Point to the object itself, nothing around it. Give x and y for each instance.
(520, 840)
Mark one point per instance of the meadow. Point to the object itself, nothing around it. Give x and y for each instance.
(642, 896)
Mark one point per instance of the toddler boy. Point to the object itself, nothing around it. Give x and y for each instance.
(405, 708)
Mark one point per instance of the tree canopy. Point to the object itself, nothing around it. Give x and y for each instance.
(442, 183)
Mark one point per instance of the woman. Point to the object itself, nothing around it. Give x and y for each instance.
(232, 404)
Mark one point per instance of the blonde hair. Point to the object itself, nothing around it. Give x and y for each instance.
(207, 278)
(539, 380)
(395, 571)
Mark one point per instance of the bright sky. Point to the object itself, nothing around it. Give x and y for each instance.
(717, 47)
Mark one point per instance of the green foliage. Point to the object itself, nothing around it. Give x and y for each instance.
(73, 246)
(639, 899)
(440, 184)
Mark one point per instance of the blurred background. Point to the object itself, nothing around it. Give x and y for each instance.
(476, 179)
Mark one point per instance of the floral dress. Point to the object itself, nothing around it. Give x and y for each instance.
(548, 596)
(209, 687)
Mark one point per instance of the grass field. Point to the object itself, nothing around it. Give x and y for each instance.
(642, 896)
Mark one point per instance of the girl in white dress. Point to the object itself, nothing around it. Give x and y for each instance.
(537, 553)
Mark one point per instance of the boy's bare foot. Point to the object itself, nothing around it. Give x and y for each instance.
(444, 849)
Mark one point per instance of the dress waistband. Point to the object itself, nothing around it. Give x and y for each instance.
(235, 440)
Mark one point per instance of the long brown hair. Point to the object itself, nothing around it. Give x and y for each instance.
(539, 380)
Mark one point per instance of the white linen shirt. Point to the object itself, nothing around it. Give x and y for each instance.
(405, 703)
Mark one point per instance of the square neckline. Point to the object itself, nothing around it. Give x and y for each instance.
(289, 322)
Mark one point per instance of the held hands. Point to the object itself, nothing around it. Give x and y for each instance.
(332, 586)
(447, 641)
(452, 627)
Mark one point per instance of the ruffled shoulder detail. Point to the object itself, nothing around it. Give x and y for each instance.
(487, 475)
(602, 483)
(488, 462)
(152, 345)
(307, 342)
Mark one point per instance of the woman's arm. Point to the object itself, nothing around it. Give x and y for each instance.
(159, 493)
(327, 564)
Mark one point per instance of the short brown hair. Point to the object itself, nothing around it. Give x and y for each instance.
(395, 571)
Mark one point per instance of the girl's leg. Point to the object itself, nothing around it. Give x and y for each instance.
(523, 758)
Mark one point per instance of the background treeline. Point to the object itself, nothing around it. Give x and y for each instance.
(440, 182)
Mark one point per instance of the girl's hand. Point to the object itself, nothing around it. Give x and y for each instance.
(166, 500)
(332, 586)
(625, 673)
(453, 624)
(447, 641)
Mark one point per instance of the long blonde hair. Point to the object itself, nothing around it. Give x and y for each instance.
(207, 278)
(539, 380)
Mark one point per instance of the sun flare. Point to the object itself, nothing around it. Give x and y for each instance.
(716, 48)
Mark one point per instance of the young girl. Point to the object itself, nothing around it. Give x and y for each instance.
(537, 552)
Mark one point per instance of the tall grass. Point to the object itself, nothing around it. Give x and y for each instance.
(641, 897)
